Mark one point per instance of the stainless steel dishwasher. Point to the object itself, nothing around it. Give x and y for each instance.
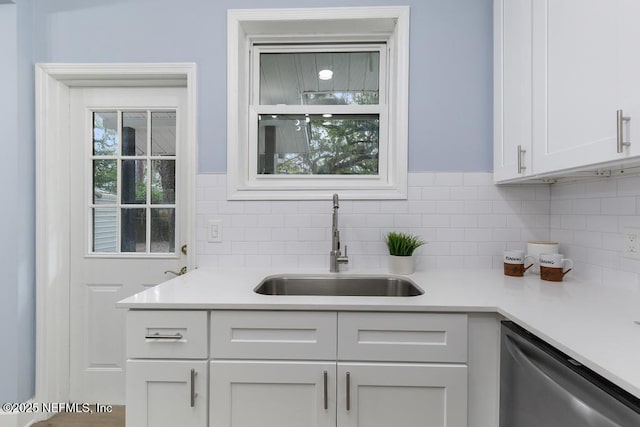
(542, 387)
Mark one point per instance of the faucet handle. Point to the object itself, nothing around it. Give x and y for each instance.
(345, 250)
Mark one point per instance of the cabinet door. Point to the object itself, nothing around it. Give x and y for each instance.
(629, 69)
(166, 393)
(577, 82)
(402, 395)
(512, 89)
(272, 394)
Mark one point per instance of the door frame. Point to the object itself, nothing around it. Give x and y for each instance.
(53, 83)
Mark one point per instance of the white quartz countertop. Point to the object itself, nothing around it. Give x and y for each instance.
(594, 324)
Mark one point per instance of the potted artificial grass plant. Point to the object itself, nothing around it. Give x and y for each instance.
(401, 247)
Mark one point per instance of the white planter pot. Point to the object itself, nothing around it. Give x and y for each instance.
(401, 264)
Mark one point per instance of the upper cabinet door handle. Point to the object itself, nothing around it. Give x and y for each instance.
(521, 166)
(620, 120)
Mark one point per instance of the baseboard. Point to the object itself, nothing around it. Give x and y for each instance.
(19, 419)
(15, 419)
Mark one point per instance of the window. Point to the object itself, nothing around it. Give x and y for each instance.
(133, 167)
(310, 114)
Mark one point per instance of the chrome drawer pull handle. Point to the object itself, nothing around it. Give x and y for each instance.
(326, 391)
(348, 391)
(157, 336)
(193, 388)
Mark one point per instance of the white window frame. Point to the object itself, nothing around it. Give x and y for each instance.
(375, 25)
(119, 205)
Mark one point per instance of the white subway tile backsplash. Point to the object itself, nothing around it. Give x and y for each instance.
(449, 206)
(628, 186)
(477, 178)
(573, 222)
(586, 206)
(620, 206)
(592, 232)
(466, 219)
(436, 193)
(587, 239)
(608, 223)
(463, 193)
(449, 179)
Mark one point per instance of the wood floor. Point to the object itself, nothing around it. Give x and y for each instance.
(113, 419)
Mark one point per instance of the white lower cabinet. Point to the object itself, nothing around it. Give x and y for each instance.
(387, 369)
(401, 395)
(296, 368)
(166, 393)
(293, 394)
(272, 394)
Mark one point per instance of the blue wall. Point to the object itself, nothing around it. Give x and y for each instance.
(17, 225)
(450, 122)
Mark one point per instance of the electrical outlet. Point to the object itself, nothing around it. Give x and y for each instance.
(631, 247)
(214, 231)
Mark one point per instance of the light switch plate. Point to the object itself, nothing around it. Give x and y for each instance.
(631, 248)
(214, 231)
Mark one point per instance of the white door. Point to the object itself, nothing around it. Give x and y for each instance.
(128, 220)
(402, 395)
(272, 394)
(167, 393)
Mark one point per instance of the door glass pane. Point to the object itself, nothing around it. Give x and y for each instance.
(105, 225)
(163, 133)
(319, 78)
(105, 133)
(134, 230)
(299, 144)
(134, 181)
(163, 230)
(134, 133)
(163, 181)
(105, 181)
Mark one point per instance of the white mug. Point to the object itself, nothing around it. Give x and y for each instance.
(514, 263)
(536, 248)
(553, 267)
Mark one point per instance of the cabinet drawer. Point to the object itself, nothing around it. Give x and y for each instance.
(403, 337)
(273, 335)
(155, 334)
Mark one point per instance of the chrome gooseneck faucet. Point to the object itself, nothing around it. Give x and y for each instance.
(335, 256)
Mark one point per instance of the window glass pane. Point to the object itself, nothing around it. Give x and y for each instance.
(134, 181)
(105, 133)
(316, 144)
(134, 230)
(134, 133)
(105, 175)
(163, 230)
(163, 133)
(163, 181)
(325, 78)
(105, 223)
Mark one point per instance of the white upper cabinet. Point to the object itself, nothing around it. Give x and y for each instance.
(573, 97)
(512, 89)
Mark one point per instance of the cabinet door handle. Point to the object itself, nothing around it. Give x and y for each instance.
(326, 391)
(158, 336)
(521, 166)
(348, 391)
(193, 393)
(620, 120)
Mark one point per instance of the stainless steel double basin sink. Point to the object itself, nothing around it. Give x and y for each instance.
(338, 285)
